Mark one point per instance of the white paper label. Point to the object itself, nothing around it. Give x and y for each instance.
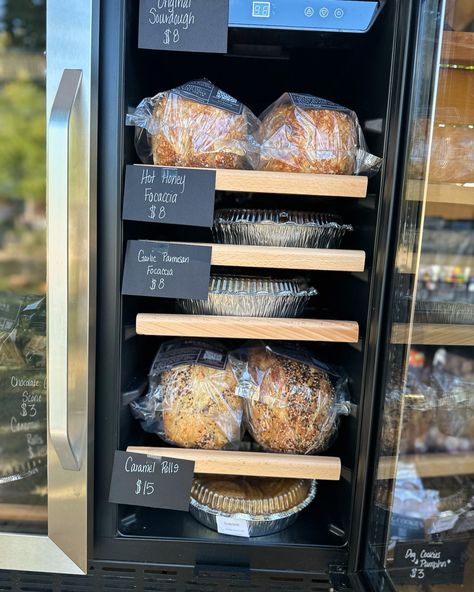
(232, 526)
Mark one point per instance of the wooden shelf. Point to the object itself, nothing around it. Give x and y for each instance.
(255, 464)
(23, 513)
(457, 48)
(287, 258)
(406, 261)
(181, 325)
(433, 334)
(447, 193)
(428, 465)
(290, 183)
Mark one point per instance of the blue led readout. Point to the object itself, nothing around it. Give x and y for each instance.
(261, 9)
(317, 15)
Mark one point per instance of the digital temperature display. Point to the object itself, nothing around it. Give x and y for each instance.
(261, 9)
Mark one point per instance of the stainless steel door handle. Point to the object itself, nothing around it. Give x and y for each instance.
(69, 452)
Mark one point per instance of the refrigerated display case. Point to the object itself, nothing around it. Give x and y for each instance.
(47, 267)
(420, 522)
(378, 59)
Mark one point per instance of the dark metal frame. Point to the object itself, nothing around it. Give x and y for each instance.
(296, 558)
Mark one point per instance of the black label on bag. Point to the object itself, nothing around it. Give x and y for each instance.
(184, 25)
(166, 270)
(169, 195)
(305, 101)
(177, 353)
(429, 563)
(151, 481)
(406, 527)
(207, 93)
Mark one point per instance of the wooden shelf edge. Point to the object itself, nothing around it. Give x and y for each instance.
(255, 464)
(433, 334)
(287, 258)
(428, 465)
(289, 183)
(182, 325)
(443, 193)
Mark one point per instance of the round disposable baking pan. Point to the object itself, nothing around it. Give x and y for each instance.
(251, 297)
(279, 228)
(261, 524)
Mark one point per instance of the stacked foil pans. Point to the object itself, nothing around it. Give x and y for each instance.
(279, 228)
(259, 524)
(251, 297)
(453, 313)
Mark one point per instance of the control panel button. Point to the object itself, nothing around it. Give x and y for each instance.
(323, 12)
(309, 11)
(338, 13)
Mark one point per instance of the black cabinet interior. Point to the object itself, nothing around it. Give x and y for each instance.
(355, 70)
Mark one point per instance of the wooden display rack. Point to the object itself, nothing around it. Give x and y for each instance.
(428, 465)
(287, 258)
(288, 183)
(260, 257)
(433, 334)
(255, 464)
(183, 325)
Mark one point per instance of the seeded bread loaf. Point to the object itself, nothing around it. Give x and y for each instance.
(291, 408)
(200, 407)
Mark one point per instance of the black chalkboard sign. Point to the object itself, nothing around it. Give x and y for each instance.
(166, 270)
(429, 563)
(151, 481)
(184, 25)
(169, 195)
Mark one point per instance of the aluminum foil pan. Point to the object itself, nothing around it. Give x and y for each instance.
(453, 313)
(258, 525)
(279, 228)
(251, 297)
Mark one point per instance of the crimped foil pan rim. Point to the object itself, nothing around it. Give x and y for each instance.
(273, 217)
(267, 287)
(260, 518)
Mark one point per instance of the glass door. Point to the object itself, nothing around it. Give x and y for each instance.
(48, 91)
(421, 522)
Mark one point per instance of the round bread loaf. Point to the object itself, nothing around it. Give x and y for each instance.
(200, 407)
(292, 407)
(308, 140)
(192, 134)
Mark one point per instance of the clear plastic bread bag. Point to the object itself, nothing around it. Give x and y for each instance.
(191, 400)
(305, 134)
(292, 400)
(195, 125)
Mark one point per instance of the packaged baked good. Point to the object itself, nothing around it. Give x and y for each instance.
(292, 400)
(191, 401)
(261, 505)
(195, 125)
(451, 153)
(301, 133)
(279, 228)
(251, 296)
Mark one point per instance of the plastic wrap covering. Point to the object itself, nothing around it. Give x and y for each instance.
(266, 505)
(195, 125)
(251, 296)
(279, 228)
(452, 153)
(301, 133)
(23, 420)
(191, 400)
(436, 411)
(292, 400)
